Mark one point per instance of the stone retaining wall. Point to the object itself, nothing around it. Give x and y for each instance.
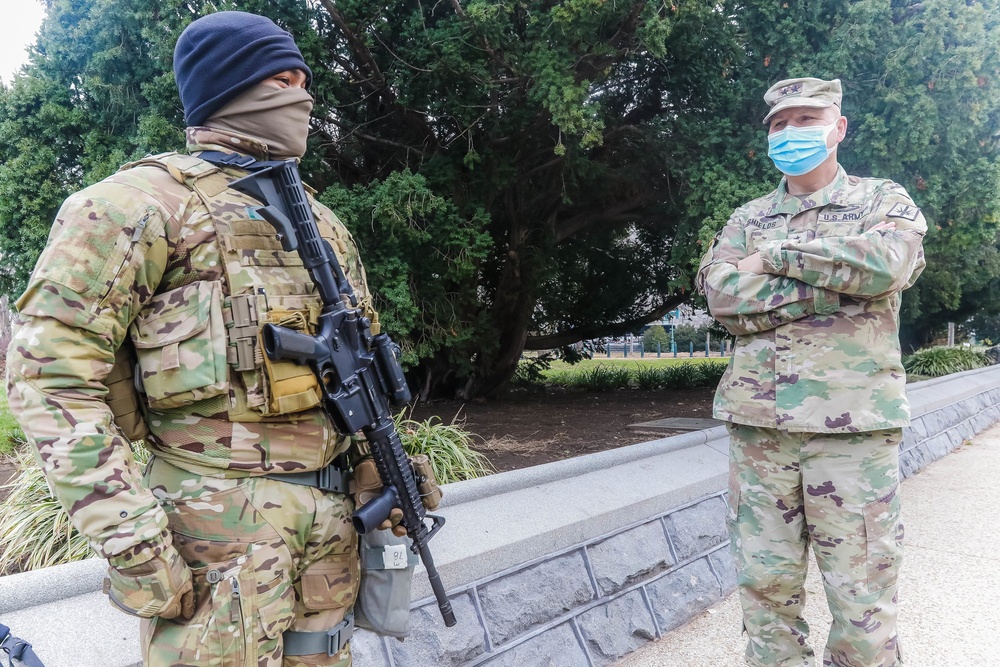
(588, 605)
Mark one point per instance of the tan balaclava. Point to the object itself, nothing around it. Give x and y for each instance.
(277, 116)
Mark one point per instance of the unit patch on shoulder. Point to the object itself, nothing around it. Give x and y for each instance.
(901, 210)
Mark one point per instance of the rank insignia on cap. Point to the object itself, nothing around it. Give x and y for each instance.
(906, 211)
(794, 89)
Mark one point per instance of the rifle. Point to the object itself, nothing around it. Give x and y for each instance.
(359, 374)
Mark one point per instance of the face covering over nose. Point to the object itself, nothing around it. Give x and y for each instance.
(277, 116)
(798, 150)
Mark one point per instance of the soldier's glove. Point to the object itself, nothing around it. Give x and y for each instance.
(159, 587)
(366, 485)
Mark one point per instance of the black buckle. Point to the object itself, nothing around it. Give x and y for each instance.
(219, 158)
(333, 636)
(331, 478)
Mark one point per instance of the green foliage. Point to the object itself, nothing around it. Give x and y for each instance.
(653, 336)
(448, 446)
(937, 361)
(11, 435)
(648, 375)
(604, 378)
(35, 530)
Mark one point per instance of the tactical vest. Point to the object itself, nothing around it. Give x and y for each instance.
(202, 341)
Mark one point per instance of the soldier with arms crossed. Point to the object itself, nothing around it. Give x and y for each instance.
(808, 278)
(230, 545)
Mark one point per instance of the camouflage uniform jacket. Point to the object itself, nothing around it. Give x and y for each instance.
(817, 347)
(139, 257)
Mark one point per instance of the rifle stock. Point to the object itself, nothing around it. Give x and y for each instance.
(359, 374)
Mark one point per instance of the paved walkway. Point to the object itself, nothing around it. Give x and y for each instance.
(949, 582)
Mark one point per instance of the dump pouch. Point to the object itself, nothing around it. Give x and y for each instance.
(387, 564)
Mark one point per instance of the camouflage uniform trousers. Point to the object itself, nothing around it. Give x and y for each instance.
(839, 492)
(267, 556)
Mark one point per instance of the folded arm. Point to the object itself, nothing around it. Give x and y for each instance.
(746, 302)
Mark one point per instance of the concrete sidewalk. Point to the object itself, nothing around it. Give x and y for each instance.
(949, 583)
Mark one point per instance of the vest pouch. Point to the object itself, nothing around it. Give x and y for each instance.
(290, 387)
(180, 341)
(387, 564)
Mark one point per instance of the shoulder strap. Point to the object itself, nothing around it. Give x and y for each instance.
(17, 649)
(189, 170)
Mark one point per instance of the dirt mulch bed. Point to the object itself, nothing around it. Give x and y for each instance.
(521, 430)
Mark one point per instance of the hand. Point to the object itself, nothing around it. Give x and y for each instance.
(752, 264)
(365, 485)
(159, 587)
(884, 226)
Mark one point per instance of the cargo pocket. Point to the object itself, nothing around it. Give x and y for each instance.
(275, 608)
(884, 536)
(221, 632)
(180, 342)
(331, 583)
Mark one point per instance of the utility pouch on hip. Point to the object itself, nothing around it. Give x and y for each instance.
(430, 492)
(387, 564)
(123, 397)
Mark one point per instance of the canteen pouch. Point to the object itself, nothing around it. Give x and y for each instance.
(387, 564)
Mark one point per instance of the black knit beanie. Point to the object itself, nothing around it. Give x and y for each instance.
(219, 56)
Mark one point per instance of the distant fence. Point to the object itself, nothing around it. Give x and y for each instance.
(637, 350)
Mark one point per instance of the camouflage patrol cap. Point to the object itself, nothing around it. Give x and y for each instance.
(804, 92)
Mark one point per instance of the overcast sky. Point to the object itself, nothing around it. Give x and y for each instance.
(17, 29)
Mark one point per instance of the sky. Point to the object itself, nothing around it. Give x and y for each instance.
(17, 30)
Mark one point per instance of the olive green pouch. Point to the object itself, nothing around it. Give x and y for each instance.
(387, 564)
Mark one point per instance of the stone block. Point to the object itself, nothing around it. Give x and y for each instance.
(908, 463)
(698, 528)
(557, 647)
(367, 650)
(937, 446)
(527, 598)
(629, 557)
(431, 643)
(617, 628)
(919, 428)
(725, 569)
(679, 595)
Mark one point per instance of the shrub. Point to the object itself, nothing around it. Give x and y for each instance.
(711, 372)
(448, 446)
(605, 378)
(654, 335)
(943, 360)
(647, 377)
(11, 435)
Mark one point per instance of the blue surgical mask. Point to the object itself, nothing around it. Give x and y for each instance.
(798, 150)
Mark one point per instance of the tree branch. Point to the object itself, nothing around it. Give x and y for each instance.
(588, 331)
(620, 211)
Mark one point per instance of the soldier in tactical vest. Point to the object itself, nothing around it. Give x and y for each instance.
(230, 545)
(808, 279)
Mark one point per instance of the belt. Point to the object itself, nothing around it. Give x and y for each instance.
(330, 478)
